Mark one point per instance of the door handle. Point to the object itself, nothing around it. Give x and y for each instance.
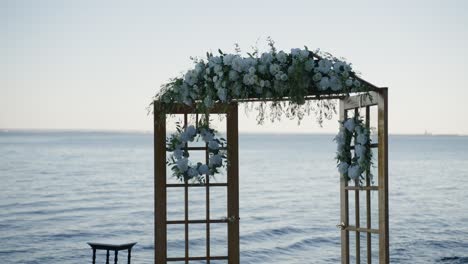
(341, 226)
(231, 219)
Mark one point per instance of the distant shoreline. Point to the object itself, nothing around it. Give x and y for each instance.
(130, 131)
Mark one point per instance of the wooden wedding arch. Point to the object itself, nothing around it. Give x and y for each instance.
(349, 105)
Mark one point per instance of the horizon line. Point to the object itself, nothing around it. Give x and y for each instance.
(141, 131)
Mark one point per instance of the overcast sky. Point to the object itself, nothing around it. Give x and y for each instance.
(96, 64)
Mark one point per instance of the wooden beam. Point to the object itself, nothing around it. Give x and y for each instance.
(362, 100)
(232, 127)
(384, 254)
(344, 207)
(160, 229)
(179, 108)
(368, 198)
(362, 188)
(362, 230)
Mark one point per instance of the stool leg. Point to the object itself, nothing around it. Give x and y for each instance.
(107, 257)
(94, 256)
(129, 255)
(115, 258)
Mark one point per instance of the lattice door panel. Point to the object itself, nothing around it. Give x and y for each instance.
(197, 223)
(364, 208)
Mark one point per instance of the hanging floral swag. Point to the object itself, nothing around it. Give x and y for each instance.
(353, 167)
(280, 81)
(182, 168)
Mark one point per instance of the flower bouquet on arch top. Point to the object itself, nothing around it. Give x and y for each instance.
(280, 81)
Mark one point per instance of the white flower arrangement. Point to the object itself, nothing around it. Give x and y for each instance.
(179, 161)
(354, 166)
(269, 76)
(285, 80)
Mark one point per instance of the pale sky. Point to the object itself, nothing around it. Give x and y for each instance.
(96, 64)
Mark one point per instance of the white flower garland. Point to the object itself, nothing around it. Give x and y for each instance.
(353, 167)
(179, 161)
(268, 76)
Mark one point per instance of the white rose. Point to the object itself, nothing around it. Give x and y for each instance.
(191, 77)
(222, 94)
(192, 172)
(218, 69)
(247, 80)
(191, 131)
(252, 70)
(324, 65)
(216, 160)
(199, 67)
(184, 136)
(266, 58)
(182, 164)
(360, 150)
(274, 68)
(317, 77)
(358, 129)
(335, 83)
(206, 135)
(339, 67)
(237, 64)
(343, 167)
(227, 59)
(324, 83)
(282, 57)
(349, 82)
(284, 77)
(339, 147)
(354, 172)
(304, 54)
(178, 153)
(203, 169)
(295, 52)
(212, 61)
(340, 138)
(248, 62)
(233, 75)
(350, 124)
(309, 65)
(361, 139)
(180, 146)
(213, 144)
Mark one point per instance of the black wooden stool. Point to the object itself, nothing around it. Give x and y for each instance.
(108, 247)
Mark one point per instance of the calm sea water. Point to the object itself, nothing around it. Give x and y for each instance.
(61, 190)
